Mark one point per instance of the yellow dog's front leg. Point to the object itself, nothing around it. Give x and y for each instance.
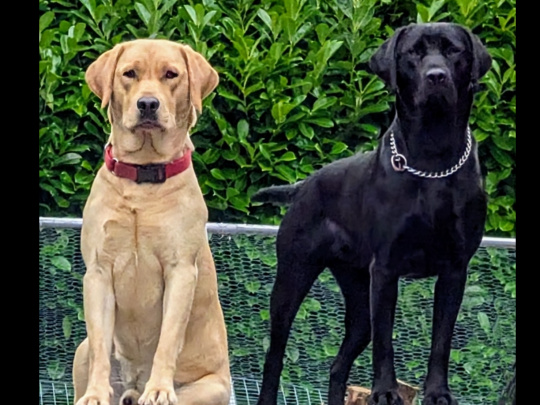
(180, 283)
(99, 310)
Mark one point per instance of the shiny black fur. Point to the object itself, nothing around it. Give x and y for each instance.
(370, 224)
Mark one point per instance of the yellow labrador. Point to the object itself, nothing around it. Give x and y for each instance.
(150, 288)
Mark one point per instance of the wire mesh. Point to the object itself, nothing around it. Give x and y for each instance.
(483, 346)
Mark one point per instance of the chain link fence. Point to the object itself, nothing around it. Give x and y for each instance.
(483, 346)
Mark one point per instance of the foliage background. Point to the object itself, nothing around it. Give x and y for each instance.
(294, 93)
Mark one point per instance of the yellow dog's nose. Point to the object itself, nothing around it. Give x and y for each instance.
(147, 105)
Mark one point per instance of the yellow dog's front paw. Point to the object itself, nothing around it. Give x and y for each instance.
(96, 396)
(158, 394)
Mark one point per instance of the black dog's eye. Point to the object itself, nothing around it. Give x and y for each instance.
(417, 51)
(452, 50)
(130, 73)
(170, 74)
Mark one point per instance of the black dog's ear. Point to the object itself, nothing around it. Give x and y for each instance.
(383, 61)
(481, 57)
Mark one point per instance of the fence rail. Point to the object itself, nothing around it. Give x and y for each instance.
(248, 229)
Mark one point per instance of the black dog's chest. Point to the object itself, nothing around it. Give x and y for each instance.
(417, 228)
(421, 245)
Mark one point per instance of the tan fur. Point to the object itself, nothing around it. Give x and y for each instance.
(150, 288)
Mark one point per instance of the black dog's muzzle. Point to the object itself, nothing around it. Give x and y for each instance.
(436, 76)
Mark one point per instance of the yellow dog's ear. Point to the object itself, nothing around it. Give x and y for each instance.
(202, 77)
(100, 74)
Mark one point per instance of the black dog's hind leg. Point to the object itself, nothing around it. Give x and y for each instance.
(293, 281)
(448, 296)
(354, 284)
(383, 298)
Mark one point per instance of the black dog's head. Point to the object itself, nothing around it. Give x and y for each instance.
(434, 63)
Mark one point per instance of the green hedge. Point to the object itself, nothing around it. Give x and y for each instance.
(295, 92)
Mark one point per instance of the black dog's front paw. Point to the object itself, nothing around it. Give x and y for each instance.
(385, 397)
(439, 397)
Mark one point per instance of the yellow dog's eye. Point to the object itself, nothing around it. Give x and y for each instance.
(170, 74)
(130, 73)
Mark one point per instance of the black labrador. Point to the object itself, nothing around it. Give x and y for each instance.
(414, 207)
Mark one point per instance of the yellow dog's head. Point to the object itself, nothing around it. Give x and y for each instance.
(153, 88)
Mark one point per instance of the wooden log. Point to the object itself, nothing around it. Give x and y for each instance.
(360, 395)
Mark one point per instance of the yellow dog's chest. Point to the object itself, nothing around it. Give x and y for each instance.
(136, 270)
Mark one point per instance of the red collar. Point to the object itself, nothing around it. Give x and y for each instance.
(150, 173)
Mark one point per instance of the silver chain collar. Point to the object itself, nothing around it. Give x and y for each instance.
(399, 162)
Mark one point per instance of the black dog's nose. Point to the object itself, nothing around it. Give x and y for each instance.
(436, 75)
(147, 105)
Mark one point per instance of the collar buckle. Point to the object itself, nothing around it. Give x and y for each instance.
(151, 173)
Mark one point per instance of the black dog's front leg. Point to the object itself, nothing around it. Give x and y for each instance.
(383, 297)
(448, 296)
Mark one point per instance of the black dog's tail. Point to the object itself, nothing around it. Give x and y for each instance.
(280, 195)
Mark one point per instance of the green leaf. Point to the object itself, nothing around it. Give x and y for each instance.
(90, 6)
(208, 17)
(306, 130)
(423, 13)
(312, 305)
(253, 286)
(67, 159)
(287, 173)
(455, 355)
(83, 178)
(322, 122)
(228, 95)
(78, 31)
(338, 147)
(287, 157)
(242, 129)
(280, 110)
(434, 7)
(214, 184)
(300, 33)
(503, 142)
(484, 322)
(330, 350)
(66, 327)
(329, 48)
(293, 354)
(506, 226)
(192, 13)
(210, 156)
(61, 263)
(218, 174)
(231, 154)
(501, 157)
(254, 88)
(323, 103)
(55, 370)
(263, 15)
(373, 108)
(231, 192)
(144, 14)
(291, 133)
(322, 31)
(240, 202)
(45, 20)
